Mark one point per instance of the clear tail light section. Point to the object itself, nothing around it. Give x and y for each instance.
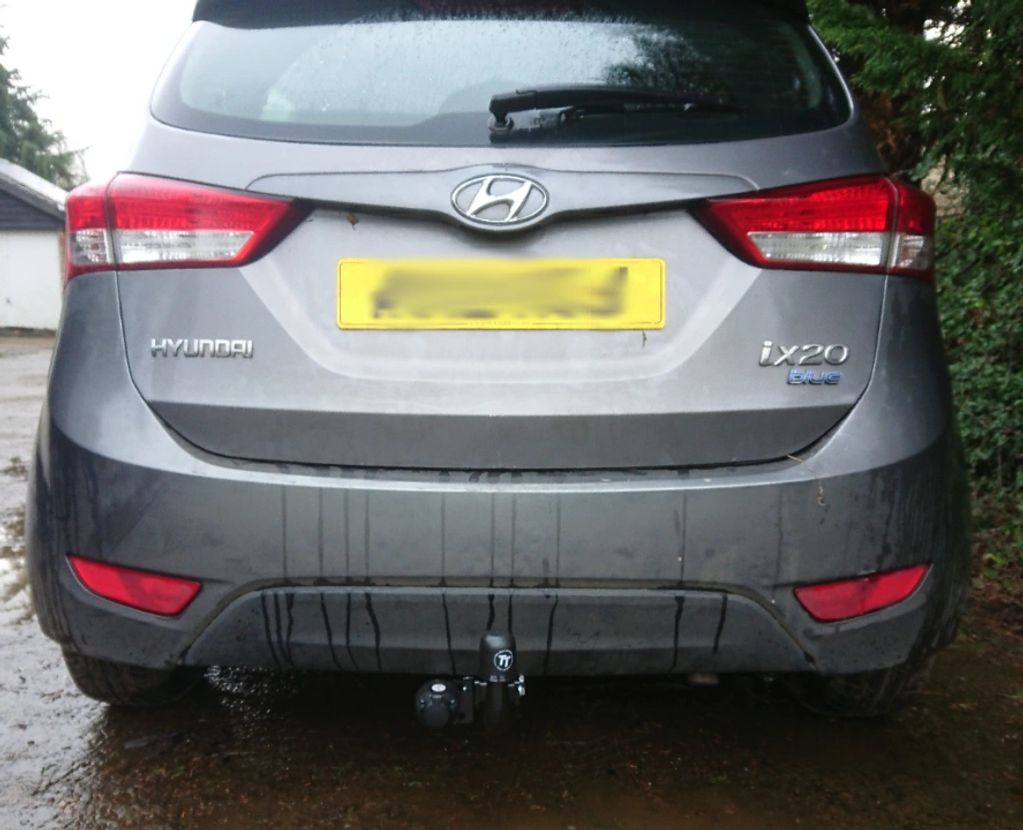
(866, 224)
(142, 222)
(913, 240)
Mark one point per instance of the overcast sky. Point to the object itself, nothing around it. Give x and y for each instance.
(96, 61)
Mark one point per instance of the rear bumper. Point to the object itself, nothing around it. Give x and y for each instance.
(617, 573)
(559, 632)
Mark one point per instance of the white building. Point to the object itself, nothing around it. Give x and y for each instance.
(31, 249)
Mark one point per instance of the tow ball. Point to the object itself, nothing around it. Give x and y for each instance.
(495, 690)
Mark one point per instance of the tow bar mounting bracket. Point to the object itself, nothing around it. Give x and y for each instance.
(496, 690)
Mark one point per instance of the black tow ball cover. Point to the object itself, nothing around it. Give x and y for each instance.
(497, 657)
(436, 704)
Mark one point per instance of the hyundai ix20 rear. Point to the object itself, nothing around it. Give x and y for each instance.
(592, 330)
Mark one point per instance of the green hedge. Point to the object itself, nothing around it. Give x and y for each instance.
(942, 87)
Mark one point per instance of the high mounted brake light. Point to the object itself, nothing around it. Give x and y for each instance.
(866, 224)
(139, 222)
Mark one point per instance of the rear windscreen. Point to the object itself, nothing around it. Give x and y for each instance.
(424, 73)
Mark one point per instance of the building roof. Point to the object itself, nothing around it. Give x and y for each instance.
(34, 190)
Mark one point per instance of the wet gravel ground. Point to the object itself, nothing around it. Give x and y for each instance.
(259, 750)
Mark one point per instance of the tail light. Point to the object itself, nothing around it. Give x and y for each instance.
(850, 598)
(871, 225)
(139, 222)
(166, 596)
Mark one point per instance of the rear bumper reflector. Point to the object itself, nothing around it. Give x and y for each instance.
(166, 596)
(849, 598)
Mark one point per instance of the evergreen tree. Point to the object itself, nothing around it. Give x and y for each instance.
(27, 139)
(942, 85)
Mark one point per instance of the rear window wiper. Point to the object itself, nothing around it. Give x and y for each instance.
(579, 99)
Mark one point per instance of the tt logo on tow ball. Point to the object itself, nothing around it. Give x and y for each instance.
(504, 660)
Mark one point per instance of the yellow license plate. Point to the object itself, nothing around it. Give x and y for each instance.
(547, 294)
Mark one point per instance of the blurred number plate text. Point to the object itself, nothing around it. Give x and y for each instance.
(552, 294)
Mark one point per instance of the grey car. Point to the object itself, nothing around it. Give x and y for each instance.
(597, 326)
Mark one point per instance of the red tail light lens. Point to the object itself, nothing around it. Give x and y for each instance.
(139, 222)
(166, 596)
(871, 225)
(850, 598)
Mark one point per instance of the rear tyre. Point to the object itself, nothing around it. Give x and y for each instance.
(866, 695)
(130, 686)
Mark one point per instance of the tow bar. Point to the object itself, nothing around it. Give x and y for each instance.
(496, 689)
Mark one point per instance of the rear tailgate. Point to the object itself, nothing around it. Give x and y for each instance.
(373, 149)
(691, 393)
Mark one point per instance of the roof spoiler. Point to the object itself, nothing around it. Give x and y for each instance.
(260, 13)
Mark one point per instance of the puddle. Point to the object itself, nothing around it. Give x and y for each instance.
(15, 603)
(255, 749)
(16, 468)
